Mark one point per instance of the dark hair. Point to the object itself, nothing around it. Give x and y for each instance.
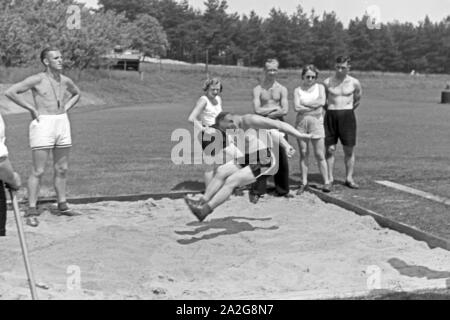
(310, 67)
(221, 116)
(343, 59)
(271, 61)
(212, 82)
(45, 52)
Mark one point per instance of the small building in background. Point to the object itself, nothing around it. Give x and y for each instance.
(123, 59)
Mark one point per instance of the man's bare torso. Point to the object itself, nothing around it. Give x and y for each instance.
(47, 93)
(341, 93)
(271, 96)
(251, 135)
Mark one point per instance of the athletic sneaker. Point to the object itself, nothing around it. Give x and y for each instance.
(287, 195)
(64, 210)
(302, 189)
(277, 194)
(253, 197)
(327, 187)
(198, 202)
(351, 185)
(31, 215)
(238, 192)
(200, 211)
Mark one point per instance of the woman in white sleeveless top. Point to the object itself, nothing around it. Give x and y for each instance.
(204, 116)
(309, 100)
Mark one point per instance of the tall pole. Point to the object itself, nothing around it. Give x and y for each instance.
(207, 62)
(23, 245)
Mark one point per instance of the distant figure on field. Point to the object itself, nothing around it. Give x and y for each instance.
(54, 95)
(343, 98)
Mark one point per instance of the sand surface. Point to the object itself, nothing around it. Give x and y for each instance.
(294, 249)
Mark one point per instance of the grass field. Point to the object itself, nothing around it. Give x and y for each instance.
(124, 146)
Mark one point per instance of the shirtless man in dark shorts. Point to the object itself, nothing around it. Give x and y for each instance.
(343, 97)
(270, 99)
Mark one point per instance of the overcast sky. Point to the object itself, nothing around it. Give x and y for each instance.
(402, 10)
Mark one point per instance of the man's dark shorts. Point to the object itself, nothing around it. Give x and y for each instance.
(340, 125)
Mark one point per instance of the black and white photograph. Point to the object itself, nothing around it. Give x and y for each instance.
(243, 151)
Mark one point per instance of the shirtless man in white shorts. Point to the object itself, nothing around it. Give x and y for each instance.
(259, 160)
(54, 95)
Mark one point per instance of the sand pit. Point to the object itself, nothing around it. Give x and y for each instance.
(300, 249)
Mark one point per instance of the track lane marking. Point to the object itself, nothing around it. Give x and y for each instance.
(416, 192)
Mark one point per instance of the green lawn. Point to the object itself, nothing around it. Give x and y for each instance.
(125, 148)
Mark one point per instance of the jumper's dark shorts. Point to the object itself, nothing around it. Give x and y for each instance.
(340, 125)
(259, 162)
(208, 140)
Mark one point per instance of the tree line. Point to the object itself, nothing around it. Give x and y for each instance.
(83, 36)
(295, 39)
(176, 30)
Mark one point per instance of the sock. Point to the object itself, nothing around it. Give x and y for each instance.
(206, 209)
(63, 206)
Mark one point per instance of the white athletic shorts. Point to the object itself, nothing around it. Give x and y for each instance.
(52, 131)
(3, 148)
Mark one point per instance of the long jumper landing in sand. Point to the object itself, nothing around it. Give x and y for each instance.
(259, 159)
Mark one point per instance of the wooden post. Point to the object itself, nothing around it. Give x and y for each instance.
(445, 98)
